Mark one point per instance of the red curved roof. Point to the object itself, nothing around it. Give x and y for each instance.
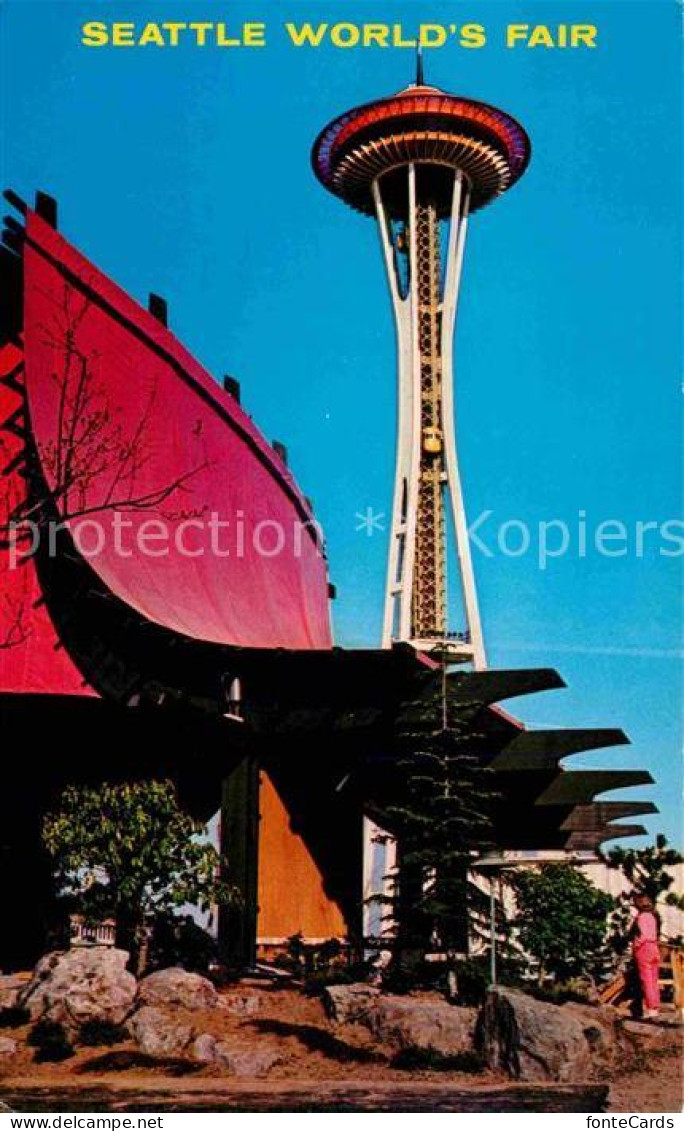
(169, 490)
(31, 659)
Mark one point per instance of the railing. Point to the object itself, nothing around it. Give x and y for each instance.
(91, 934)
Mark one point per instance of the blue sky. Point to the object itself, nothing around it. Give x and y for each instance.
(186, 171)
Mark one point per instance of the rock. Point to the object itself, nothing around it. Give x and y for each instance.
(203, 1048)
(10, 988)
(604, 1033)
(533, 1040)
(348, 1004)
(84, 984)
(8, 1047)
(647, 1036)
(177, 987)
(157, 1033)
(423, 1022)
(242, 1003)
(245, 1062)
(238, 1061)
(414, 1021)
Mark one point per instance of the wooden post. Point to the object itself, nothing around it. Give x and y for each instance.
(240, 846)
(677, 961)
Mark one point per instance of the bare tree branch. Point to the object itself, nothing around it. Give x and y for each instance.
(93, 463)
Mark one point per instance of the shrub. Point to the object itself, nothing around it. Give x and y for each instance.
(180, 941)
(581, 990)
(50, 1040)
(329, 963)
(649, 871)
(471, 978)
(561, 920)
(315, 983)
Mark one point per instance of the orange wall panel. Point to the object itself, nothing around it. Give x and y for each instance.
(291, 894)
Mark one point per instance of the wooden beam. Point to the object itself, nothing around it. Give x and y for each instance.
(240, 847)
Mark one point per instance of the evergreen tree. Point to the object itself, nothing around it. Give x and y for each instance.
(442, 822)
(646, 870)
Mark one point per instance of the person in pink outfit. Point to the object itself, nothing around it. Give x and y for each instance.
(646, 951)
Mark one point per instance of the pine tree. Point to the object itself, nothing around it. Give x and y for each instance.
(442, 822)
(646, 869)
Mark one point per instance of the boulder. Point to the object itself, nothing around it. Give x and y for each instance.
(533, 1040)
(349, 1004)
(240, 1003)
(10, 987)
(8, 1047)
(604, 1032)
(239, 1061)
(203, 1048)
(245, 1062)
(157, 1033)
(177, 987)
(646, 1037)
(416, 1021)
(84, 984)
(422, 1022)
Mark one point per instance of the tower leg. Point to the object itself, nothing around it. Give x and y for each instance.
(396, 624)
(424, 283)
(454, 266)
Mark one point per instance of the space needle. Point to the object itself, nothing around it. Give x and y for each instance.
(421, 162)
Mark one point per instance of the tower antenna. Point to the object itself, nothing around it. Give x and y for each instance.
(420, 79)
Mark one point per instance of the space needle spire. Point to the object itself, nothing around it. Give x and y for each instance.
(420, 81)
(422, 161)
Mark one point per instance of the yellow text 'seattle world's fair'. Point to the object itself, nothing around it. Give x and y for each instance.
(343, 35)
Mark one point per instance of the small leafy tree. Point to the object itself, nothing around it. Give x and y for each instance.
(560, 920)
(442, 822)
(127, 850)
(646, 869)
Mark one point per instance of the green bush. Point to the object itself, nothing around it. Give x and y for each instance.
(97, 1034)
(561, 920)
(177, 940)
(574, 989)
(315, 983)
(329, 963)
(472, 978)
(50, 1040)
